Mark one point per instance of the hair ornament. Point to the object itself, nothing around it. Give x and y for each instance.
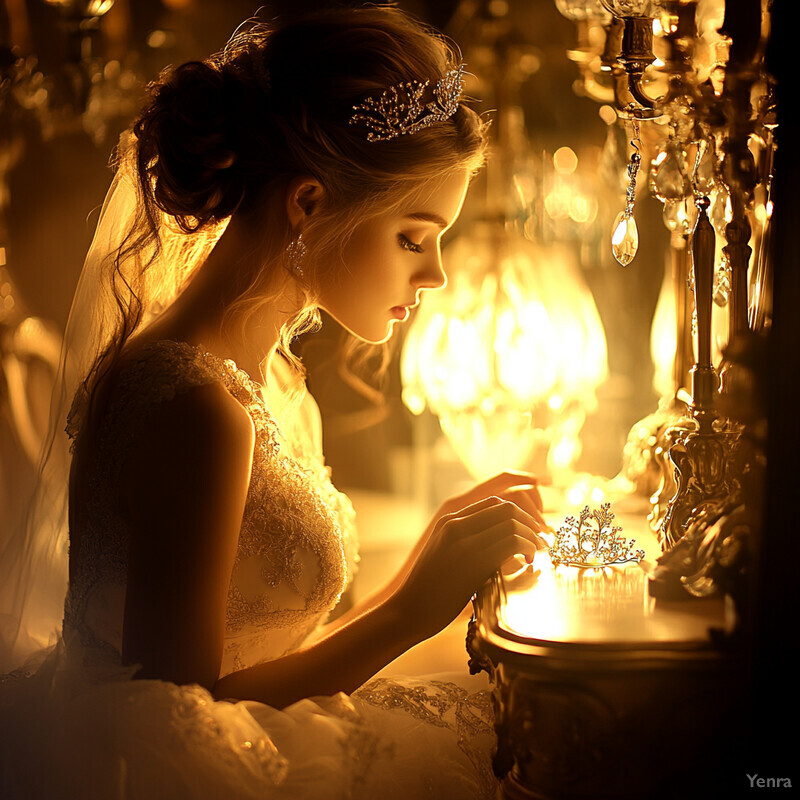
(400, 108)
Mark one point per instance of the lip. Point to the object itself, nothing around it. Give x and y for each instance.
(400, 312)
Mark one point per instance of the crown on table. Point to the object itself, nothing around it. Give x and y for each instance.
(592, 541)
(400, 108)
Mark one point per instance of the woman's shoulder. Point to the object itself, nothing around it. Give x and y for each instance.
(149, 376)
(162, 369)
(184, 383)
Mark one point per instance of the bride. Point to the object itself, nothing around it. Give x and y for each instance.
(311, 165)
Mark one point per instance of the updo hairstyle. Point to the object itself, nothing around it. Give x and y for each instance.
(223, 135)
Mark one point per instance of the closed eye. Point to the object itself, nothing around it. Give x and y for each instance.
(407, 244)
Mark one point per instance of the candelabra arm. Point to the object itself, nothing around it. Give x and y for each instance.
(637, 92)
(737, 233)
(704, 378)
(683, 317)
(637, 55)
(702, 248)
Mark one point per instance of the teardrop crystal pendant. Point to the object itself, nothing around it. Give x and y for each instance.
(680, 215)
(624, 239)
(705, 173)
(721, 210)
(668, 178)
(722, 281)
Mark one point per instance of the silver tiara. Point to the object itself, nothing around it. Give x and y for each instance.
(400, 108)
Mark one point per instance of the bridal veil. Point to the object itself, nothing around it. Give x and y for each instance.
(135, 268)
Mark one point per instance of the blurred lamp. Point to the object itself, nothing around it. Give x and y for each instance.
(509, 355)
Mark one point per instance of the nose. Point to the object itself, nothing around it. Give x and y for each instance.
(431, 275)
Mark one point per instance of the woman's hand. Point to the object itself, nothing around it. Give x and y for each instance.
(460, 553)
(520, 488)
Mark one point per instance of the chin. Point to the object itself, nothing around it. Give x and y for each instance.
(375, 335)
(370, 339)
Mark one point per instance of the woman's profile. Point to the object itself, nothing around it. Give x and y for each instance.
(312, 164)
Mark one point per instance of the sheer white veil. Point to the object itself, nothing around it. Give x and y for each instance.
(133, 271)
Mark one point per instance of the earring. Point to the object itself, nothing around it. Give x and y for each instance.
(296, 255)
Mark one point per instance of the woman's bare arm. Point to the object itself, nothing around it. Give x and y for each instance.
(460, 554)
(185, 495)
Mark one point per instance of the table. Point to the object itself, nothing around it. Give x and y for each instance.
(600, 690)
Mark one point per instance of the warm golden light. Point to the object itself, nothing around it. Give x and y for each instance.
(565, 161)
(664, 340)
(569, 604)
(509, 355)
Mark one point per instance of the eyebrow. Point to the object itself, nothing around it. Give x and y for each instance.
(426, 216)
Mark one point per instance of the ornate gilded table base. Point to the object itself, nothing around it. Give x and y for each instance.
(594, 715)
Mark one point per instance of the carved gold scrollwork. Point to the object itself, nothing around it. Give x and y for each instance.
(478, 662)
(707, 474)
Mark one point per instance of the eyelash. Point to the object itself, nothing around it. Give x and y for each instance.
(407, 244)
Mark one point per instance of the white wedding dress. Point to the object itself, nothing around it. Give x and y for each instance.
(82, 727)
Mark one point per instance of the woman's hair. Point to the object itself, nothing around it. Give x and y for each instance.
(226, 135)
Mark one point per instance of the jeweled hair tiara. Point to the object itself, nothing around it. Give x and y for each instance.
(400, 109)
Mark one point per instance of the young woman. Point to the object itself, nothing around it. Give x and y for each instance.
(309, 165)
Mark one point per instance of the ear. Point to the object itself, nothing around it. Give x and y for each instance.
(302, 198)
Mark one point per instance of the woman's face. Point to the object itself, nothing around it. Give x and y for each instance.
(391, 258)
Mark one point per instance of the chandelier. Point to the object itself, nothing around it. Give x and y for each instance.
(692, 71)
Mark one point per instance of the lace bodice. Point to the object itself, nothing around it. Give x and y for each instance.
(297, 547)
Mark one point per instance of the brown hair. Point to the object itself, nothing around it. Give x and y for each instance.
(223, 136)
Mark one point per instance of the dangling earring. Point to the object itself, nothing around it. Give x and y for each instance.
(296, 255)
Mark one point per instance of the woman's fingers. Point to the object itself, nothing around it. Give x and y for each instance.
(501, 543)
(508, 547)
(484, 516)
(520, 499)
(496, 486)
(529, 500)
(518, 487)
(514, 532)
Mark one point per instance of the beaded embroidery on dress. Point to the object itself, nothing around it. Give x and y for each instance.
(297, 544)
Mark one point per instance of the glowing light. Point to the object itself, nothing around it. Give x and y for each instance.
(583, 209)
(556, 203)
(509, 355)
(565, 161)
(587, 489)
(97, 8)
(664, 339)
